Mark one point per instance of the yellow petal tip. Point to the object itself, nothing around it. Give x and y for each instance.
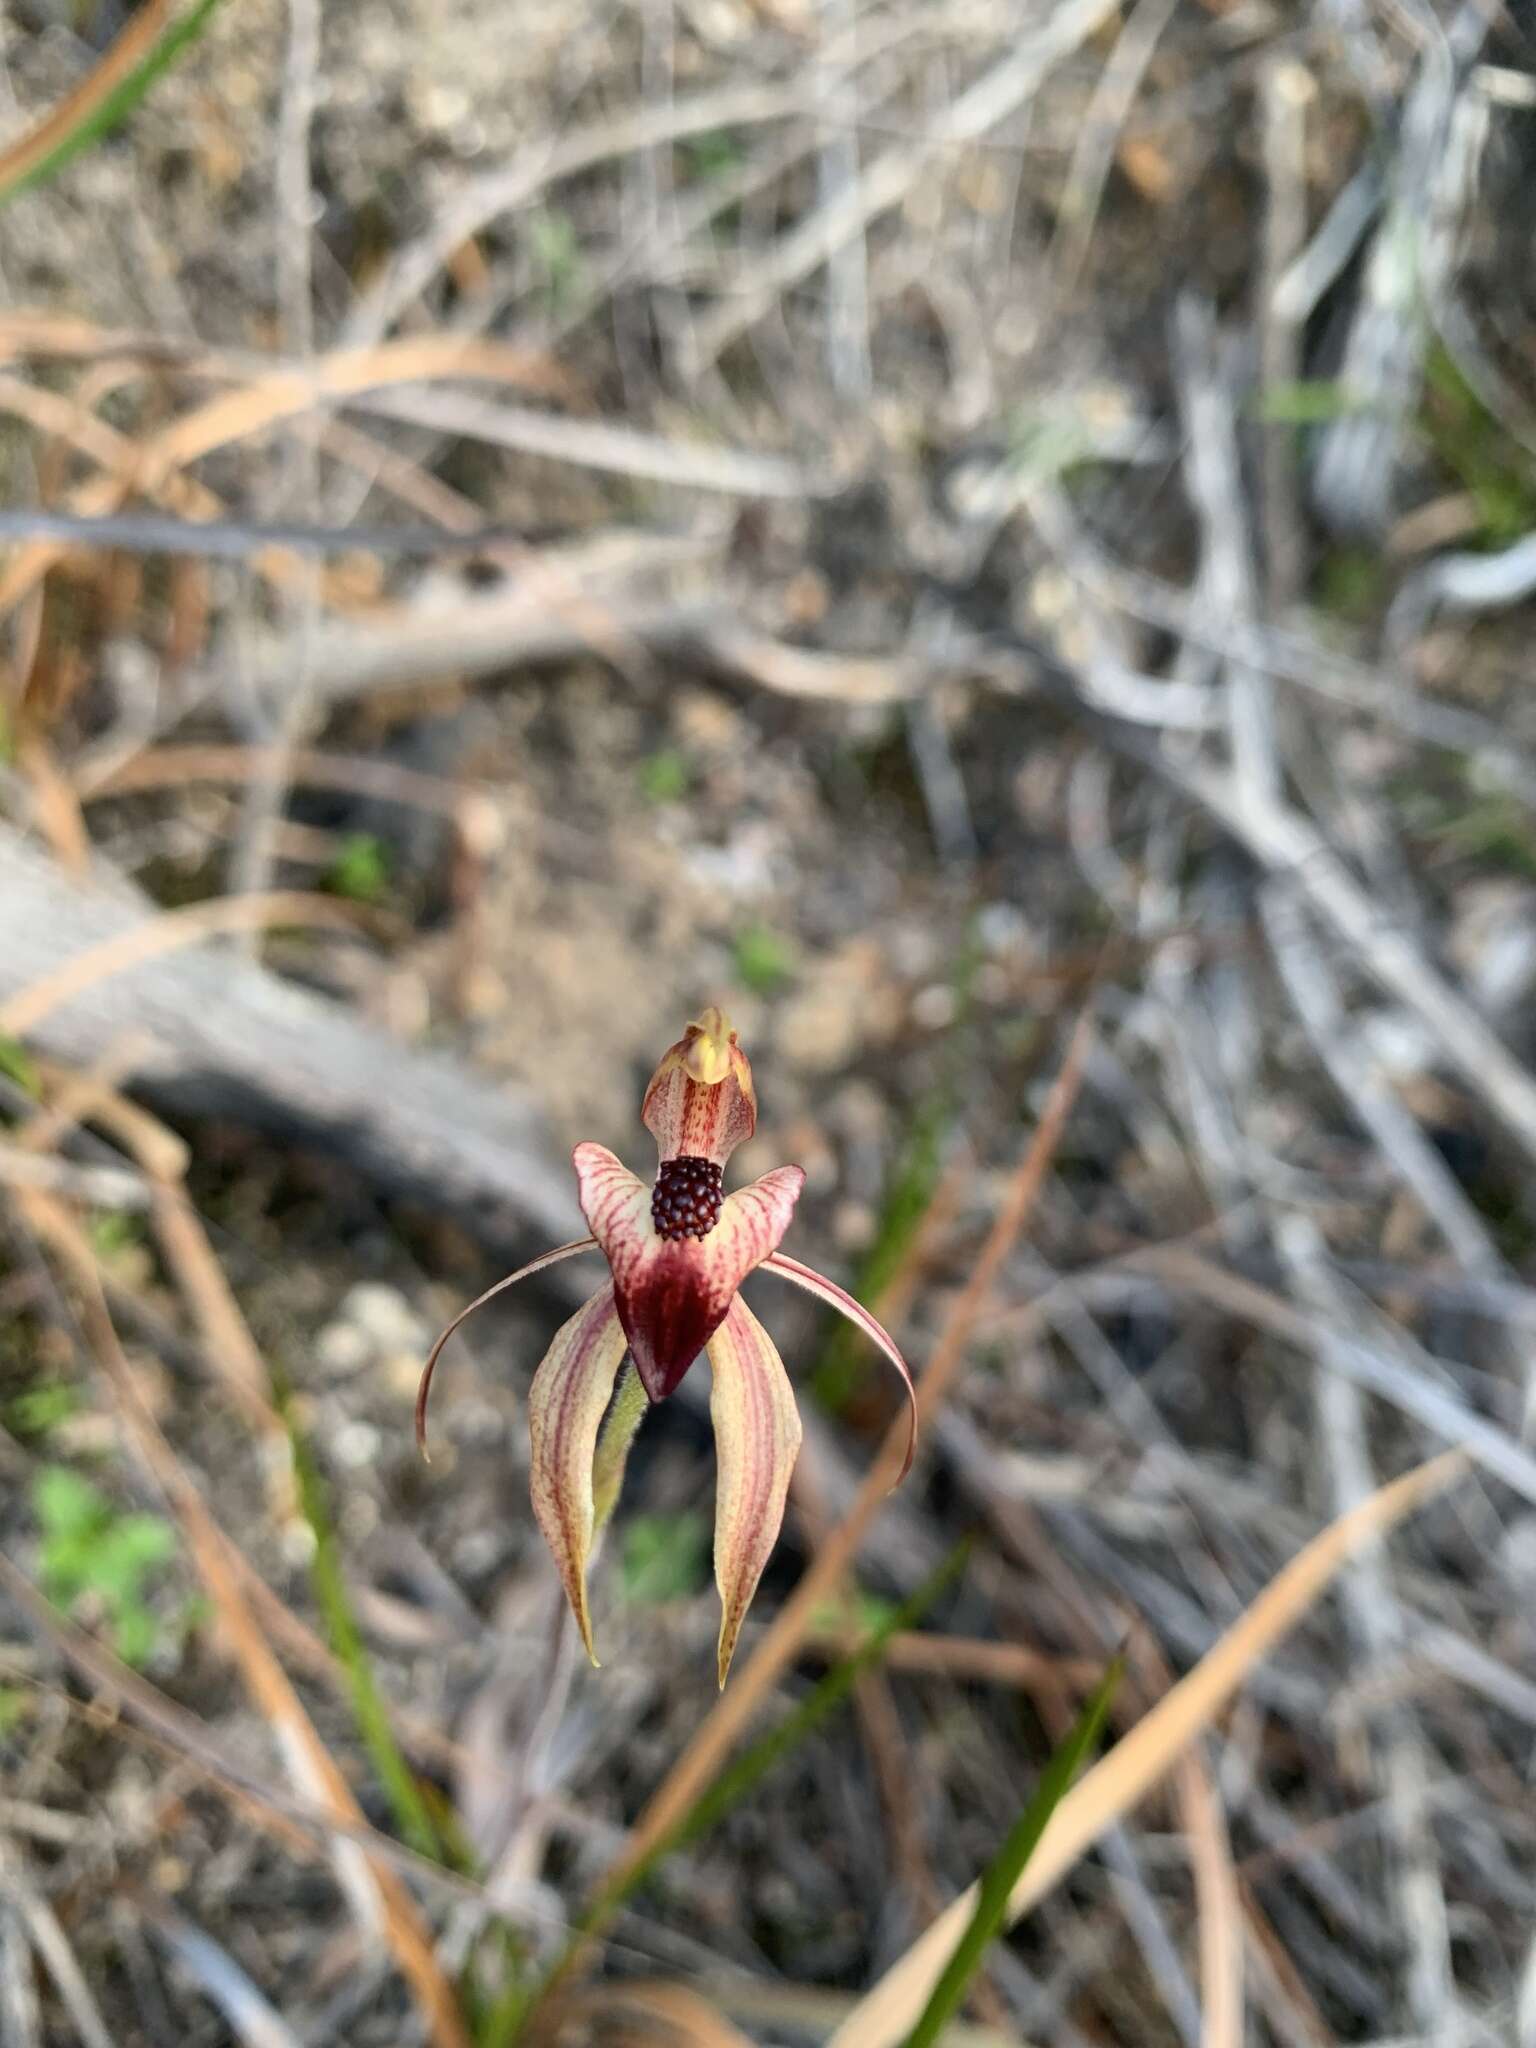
(707, 1047)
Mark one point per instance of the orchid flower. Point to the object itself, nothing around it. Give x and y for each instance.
(677, 1253)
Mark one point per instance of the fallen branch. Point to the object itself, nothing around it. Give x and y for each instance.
(216, 1035)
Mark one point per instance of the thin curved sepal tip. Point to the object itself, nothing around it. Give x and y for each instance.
(424, 1389)
(837, 1297)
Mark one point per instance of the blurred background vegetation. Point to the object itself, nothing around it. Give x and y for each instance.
(996, 540)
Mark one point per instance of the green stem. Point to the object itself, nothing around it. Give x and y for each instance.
(119, 103)
(412, 1814)
(625, 1414)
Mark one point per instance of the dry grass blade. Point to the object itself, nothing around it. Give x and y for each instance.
(173, 767)
(776, 2008)
(645, 2012)
(787, 1634)
(424, 358)
(227, 1340)
(1218, 1905)
(283, 395)
(163, 1158)
(63, 417)
(165, 934)
(1135, 1764)
(374, 1888)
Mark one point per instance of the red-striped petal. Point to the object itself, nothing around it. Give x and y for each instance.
(673, 1293)
(836, 1297)
(757, 1439)
(701, 1102)
(570, 1392)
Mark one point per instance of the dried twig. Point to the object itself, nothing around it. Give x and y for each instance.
(20, 2019)
(608, 445)
(287, 720)
(1409, 264)
(996, 95)
(1286, 90)
(543, 163)
(1394, 1367)
(279, 396)
(1228, 576)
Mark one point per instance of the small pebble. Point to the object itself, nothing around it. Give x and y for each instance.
(342, 1348)
(853, 1226)
(356, 1444)
(475, 1554)
(383, 1314)
(935, 1008)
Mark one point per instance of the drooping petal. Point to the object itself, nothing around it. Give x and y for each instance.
(562, 1251)
(757, 1439)
(836, 1297)
(570, 1392)
(672, 1292)
(701, 1103)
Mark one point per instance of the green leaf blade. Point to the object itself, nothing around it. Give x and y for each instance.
(1006, 1867)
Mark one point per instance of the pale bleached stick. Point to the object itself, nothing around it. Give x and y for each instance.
(1409, 265)
(252, 2018)
(1228, 577)
(1314, 994)
(1310, 983)
(285, 719)
(1286, 89)
(52, 1945)
(1376, 1622)
(544, 162)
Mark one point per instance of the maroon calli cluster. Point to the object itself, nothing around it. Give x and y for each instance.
(677, 1251)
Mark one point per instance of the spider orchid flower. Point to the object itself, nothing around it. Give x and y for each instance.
(677, 1253)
